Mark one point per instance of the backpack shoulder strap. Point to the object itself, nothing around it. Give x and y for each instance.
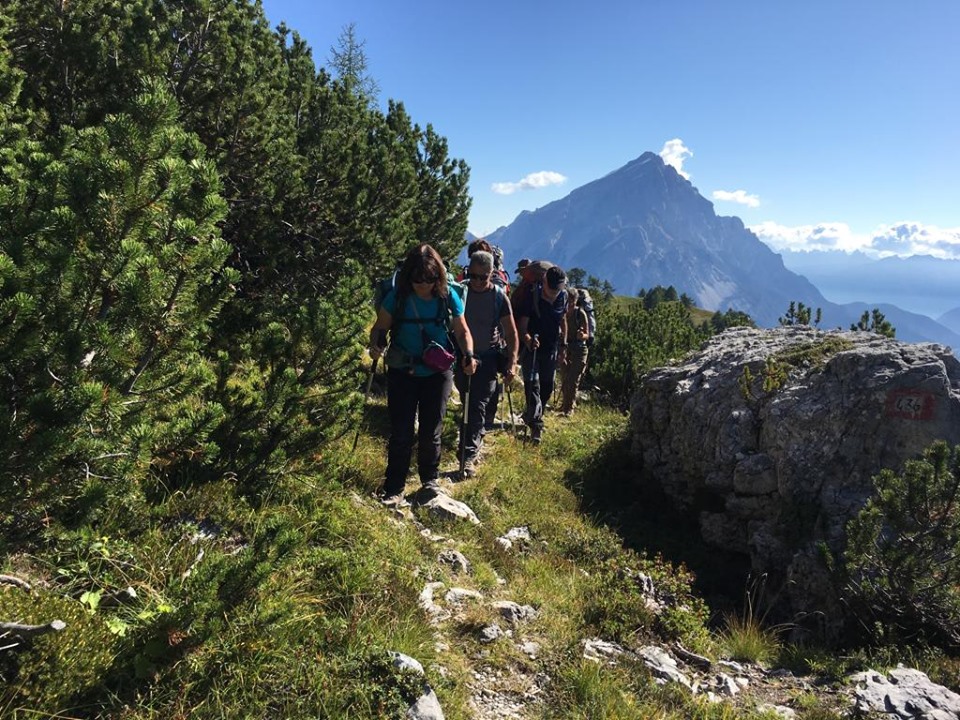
(440, 319)
(401, 304)
(499, 298)
(583, 321)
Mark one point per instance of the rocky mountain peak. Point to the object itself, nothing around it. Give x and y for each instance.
(644, 225)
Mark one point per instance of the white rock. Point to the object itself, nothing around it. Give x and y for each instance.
(490, 634)
(446, 507)
(454, 559)
(727, 685)
(905, 693)
(781, 710)
(405, 662)
(601, 650)
(662, 664)
(456, 596)
(514, 612)
(530, 648)
(518, 533)
(427, 707)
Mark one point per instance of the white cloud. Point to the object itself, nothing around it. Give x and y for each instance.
(737, 196)
(902, 239)
(674, 153)
(823, 236)
(533, 181)
(913, 238)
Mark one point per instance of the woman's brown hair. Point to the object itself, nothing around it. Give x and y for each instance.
(478, 244)
(422, 261)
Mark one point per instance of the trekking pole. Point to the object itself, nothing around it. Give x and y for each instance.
(534, 377)
(463, 427)
(366, 397)
(534, 374)
(513, 422)
(499, 395)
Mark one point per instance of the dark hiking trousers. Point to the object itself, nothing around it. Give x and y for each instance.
(490, 417)
(482, 386)
(537, 383)
(406, 395)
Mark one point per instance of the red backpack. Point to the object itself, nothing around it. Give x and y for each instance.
(502, 280)
(531, 277)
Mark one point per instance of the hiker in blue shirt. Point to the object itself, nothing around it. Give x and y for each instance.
(490, 320)
(419, 366)
(542, 325)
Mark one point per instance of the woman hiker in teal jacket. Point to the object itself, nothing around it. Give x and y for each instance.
(417, 312)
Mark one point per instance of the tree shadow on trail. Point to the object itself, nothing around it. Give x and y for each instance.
(611, 493)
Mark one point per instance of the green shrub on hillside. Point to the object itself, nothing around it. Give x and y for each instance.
(903, 554)
(631, 341)
(110, 274)
(720, 321)
(190, 227)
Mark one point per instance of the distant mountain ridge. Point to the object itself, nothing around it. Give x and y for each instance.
(951, 320)
(920, 283)
(645, 225)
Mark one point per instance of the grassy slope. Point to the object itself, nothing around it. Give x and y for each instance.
(302, 588)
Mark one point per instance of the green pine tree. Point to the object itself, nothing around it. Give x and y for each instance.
(111, 273)
(875, 322)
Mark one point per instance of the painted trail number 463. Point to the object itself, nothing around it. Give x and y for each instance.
(910, 404)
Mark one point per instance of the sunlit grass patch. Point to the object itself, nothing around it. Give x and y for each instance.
(746, 636)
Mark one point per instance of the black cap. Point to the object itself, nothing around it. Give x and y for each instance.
(556, 277)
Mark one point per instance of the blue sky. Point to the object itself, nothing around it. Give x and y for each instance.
(831, 125)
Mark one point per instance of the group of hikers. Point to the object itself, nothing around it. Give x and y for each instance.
(470, 332)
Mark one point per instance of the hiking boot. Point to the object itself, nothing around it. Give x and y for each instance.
(395, 501)
(429, 491)
(470, 467)
(535, 435)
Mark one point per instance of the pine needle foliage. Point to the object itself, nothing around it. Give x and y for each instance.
(110, 274)
(634, 339)
(299, 190)
(903, 554)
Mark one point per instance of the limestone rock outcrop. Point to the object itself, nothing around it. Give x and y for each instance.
(772, 437)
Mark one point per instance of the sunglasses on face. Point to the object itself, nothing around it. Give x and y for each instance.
(478, 276)
(427, 280)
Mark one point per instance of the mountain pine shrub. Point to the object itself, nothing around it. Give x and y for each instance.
(634, 339)
(111, 268)
(903, 555)
(290, 385)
